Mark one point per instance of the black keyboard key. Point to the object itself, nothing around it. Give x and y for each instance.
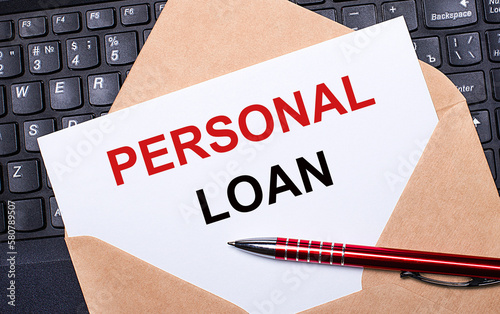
(146, 34)
(27, 98)
(29, 215)
(159, 7)
(66, 23)
(495, 78)
(493, 39)
(3, 215)
(68, 122)
(2, 101)
(23, 176)
(8, 139)
(121, 48)
(449, 13)
(82, 53)
(55, 214)
(498, 120)
(464, 49)
(6, 31)
(134, 15)
(405, 8)
(481, 120)
(492, 11)
(302, 2)
(98, 19)
(103, 88)
(358, 17)
(33, 130)
(490, 157)
(32, 27)
(328, 13)
(44, 57)
(471, 85)
(65, 94)
(10, 61)
(428, 50)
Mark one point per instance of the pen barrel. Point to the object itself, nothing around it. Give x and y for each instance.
(385, 258)
(419, 261)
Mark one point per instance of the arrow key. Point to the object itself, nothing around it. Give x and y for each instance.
(481, 120)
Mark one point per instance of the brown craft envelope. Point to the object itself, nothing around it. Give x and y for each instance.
(450, 204)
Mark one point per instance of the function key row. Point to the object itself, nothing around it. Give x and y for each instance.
(64, 94)
(71, 22)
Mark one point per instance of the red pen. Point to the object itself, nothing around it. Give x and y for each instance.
(371, 257)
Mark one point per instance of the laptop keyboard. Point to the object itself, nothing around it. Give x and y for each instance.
(58, 68)
(61, 67)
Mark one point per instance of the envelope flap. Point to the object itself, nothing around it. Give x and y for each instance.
(449, 205)
(114, 281)
(385, 298)
(444, 93)
(195, 41)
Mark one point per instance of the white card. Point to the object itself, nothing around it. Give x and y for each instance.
(352, 113)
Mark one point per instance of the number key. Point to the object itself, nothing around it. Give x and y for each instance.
(44, 57)
(121, 48)
(82, 53)
(10, 61)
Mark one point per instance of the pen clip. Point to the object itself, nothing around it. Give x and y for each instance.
(473, 282)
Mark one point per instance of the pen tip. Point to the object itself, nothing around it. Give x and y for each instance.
(231, 243)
